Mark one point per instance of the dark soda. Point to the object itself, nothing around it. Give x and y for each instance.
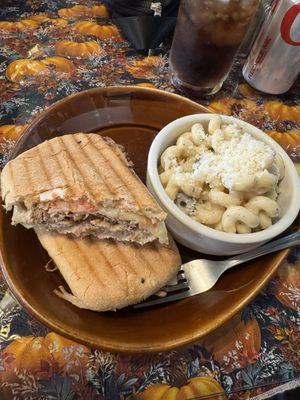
(207, 37)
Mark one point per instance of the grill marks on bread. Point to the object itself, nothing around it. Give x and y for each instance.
(75, 174)
(106, 275)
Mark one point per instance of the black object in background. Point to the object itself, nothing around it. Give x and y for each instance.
(145, 24)
(146, 33)
(129, 8)
(290, 395)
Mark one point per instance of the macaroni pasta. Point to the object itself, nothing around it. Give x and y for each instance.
(223, 177)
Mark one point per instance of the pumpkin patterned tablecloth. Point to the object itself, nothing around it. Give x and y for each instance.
(41, 61)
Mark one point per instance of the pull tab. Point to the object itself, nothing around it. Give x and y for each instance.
(157, 8)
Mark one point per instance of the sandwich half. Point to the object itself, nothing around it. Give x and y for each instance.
(105, 275)
(81, 184)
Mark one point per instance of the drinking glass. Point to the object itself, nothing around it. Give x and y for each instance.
(207, 37)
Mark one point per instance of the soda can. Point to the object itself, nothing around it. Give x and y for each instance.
(274, 61)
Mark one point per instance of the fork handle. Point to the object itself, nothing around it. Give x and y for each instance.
(287, 241)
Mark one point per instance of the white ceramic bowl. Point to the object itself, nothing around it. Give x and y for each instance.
(198, 236)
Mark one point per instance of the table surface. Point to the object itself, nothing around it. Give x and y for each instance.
(255, 352)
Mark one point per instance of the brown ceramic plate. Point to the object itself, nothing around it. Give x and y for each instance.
(132, 116)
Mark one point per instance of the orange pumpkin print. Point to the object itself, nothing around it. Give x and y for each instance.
(289, 140)
(43, 356)
(20, 70)
(11, 132)
(59, 64)
(26, 24)
(68, 48)
(145, 67)
(222, 106)
(238, 344)
(146, 84)
(100, 11)
(18, 26)
(249, 92)
(280, 111)
(244, 109)
(195, 387)
(31, 23)
(41, 19)
(100, 31)
(83, 11)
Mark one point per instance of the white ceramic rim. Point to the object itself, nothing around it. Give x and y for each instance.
(200, 229)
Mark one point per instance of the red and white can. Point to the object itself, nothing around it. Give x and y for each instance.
(274, 61)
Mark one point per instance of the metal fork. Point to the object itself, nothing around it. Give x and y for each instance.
(198, 276)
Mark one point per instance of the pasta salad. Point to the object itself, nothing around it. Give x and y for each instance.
(223, 177)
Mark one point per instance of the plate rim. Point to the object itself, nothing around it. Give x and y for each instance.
(72, 96)
(183, 340)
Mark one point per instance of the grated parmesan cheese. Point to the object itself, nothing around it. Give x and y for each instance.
(232, 156)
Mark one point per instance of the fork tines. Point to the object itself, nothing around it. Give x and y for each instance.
(168, 293)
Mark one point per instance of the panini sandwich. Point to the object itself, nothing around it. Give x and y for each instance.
(105, 275)
(81, 184)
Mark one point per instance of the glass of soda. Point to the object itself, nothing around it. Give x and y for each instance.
(207, 37)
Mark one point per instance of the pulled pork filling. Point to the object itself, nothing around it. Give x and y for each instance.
(99, 226)
(84, 223)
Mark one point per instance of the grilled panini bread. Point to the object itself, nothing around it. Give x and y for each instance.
(81, 184)
(106, 275)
